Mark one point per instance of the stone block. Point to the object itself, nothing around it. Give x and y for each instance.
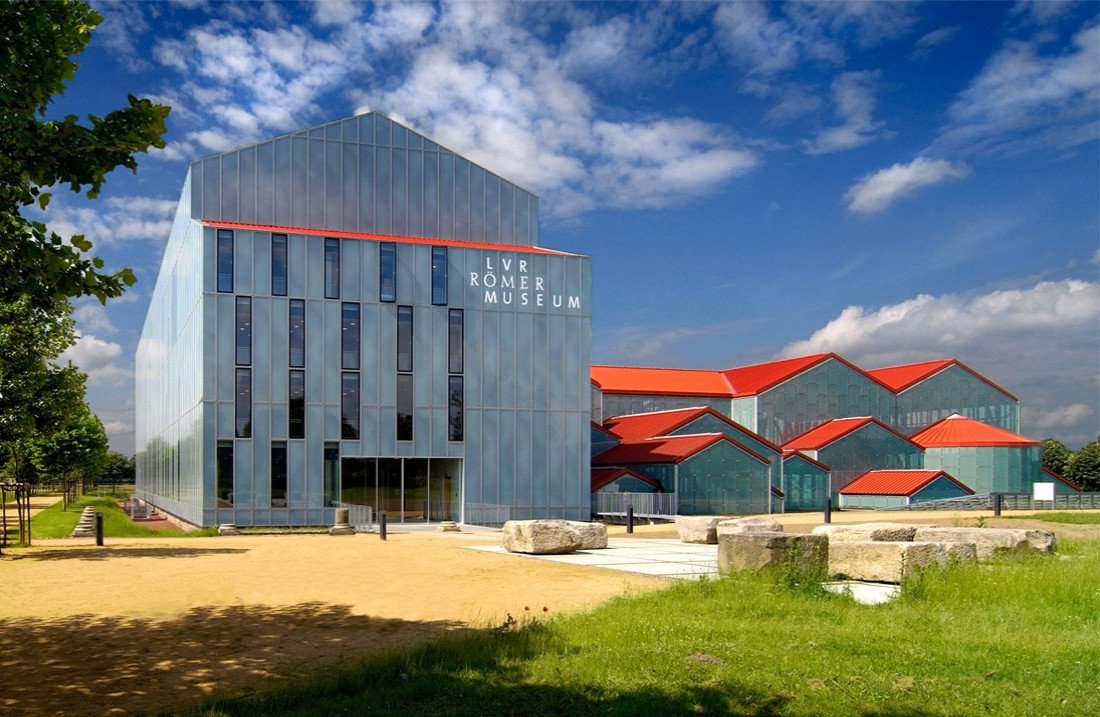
(593, 535)
(868, 532)
(752, 524)
(699, 528)
(993, 541)
(759, 551)
(541, 537)
(882, 561)
(228, 529)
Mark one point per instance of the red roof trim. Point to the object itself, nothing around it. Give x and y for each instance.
(835, 429)
(1061, 479)
(958, 431)
(605, 476)
(897, 482)
(677, 422)
(667, 449)
(380, 237)
(901, 378)
(788, 454)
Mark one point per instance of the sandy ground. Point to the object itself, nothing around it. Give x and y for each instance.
(144, 626)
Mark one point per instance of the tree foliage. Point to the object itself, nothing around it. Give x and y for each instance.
(1083, 467)
(77, 451)
(38, 41)
(118, 469)
(1055, 455)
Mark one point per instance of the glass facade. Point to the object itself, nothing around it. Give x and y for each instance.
(867, 448)
(955, 390)
(723, 480)
(989, 469)
(493, 416)
(623, 404)
(805, 484)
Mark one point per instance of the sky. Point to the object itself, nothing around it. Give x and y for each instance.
(893, 182)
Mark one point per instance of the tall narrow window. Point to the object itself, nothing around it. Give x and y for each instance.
(225, 260)
(455, 400)
(387, 271)
(278, 474)
(278, 264)
(349, 405)
(454, 341)
(349, 336)
(404, 407)
(297, 407)
(439, 275)
(244, 403)
(332, 268)
(404, 338)
(224, 471)
(244, 331)
(297, 333)
(332, 473)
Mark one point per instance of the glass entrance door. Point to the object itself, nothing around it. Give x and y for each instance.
(410, 490)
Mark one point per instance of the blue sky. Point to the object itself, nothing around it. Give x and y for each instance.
(893, 182)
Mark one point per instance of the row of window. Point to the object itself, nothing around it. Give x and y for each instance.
(224, 474)
(387, 268)
(350, 341)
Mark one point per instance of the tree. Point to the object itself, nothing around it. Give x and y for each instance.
(119, 469)
(76, 453)
(1083, 467)
(38, 41)
(1055, 455)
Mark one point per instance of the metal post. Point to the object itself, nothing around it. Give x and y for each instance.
(99, 528)
(996, 504)
(828, 510)
(630, 517)
(382, 524)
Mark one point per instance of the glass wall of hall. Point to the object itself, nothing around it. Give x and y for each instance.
(955, 390)
(410, 490)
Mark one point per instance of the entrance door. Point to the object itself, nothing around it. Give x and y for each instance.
(410, 490)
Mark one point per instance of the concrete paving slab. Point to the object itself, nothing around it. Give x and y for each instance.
(658, 557)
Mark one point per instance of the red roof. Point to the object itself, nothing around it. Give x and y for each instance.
(901, 378)
(896, 482)
(788, 454)
(957, 431)
(817, 438)
(640, 426)
(603, 476)
(1060, 479)
(378, 237)
(751, 380)
(663, 381)
(668, 449)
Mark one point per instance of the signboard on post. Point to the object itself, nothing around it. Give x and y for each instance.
(1043, 491)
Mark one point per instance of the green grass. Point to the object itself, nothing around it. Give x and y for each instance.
(53, 522)
(1016, 637)
(1077, 518)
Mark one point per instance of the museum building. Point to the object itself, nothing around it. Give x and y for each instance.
(354, 314)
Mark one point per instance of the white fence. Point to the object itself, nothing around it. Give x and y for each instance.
(646, 505)
(487, 514)
(360, 517)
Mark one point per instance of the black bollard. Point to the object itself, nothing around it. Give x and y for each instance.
(828, 510)
(99, 528)
(630, 517)
(382, 524)
(996, 504)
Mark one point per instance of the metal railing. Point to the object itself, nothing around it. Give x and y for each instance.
(1009, 501)
(646, 505)
(360, 517)
(487, 514)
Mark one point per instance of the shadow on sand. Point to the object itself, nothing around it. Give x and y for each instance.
(107, 552)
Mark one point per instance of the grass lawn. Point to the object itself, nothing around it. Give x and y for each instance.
(1015, 637)
(1074, 517)
(54, 522)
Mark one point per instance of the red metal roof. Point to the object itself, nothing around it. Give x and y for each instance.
(662, 381)
(1060, 479)
(751, 380)
(787, 454)
(896, 482)
(668, 449)
(957, 431)
(603, 476)
(639, 426)
(379, 237)
(817, 438)
(902, 378)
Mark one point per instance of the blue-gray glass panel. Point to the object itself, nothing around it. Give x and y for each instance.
(211, 189)
(246, 210)
(349, 186)
(278, 264)
(446, 195)
(521, 440)
(416, 141)
(366, 189)
(281, 182)
(316, 178)
(400, 135)
(332, 268)
(439, 275)
(490, 358)
(454, 340)
(492, 208)
(349, 336)
(387, 271)
(462, 230)
(556, 465)
(383, 130)
(404, 338)
(243, 265)
(524, 356)
(490, 457)
(430, 206)
(366, 128)
(333, 130)
(540, 490)
(225, 260)
(399, 198)
(506, 367)
(507, 213)
(523, 219)
(415, 213)
(230, 187)
(349, 130)
(299, 172)
(477, 204)
(333, 193)
(383, 182)
(297, 258)
(506, 461)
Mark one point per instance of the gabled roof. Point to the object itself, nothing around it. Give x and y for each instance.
(660, 381)
(603, 476)
(1060, 479)
(958, 431)
(789, 454)
(896, 482)
(380, 237)
(667, 449)
(751, 380)
(902, 378)
(640, 426)
(601, 429)
(817, 438)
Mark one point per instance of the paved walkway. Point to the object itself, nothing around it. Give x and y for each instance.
(660, 557)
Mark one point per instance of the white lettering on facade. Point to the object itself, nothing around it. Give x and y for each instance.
(523, 292)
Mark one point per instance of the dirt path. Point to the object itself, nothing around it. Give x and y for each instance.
(140, 626)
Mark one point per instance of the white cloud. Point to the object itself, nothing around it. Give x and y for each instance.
(99, 359)
(929, 42)
(113, 221)
(92, 318)
(854, 96)
(1039, 342)
(876, 192)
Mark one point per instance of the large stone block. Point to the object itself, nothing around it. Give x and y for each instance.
(751, 524)
(593, 535)
(883, 562)
(758, 551)
(993, 541)
(541, 537)
(865, 532)
(699, 528)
